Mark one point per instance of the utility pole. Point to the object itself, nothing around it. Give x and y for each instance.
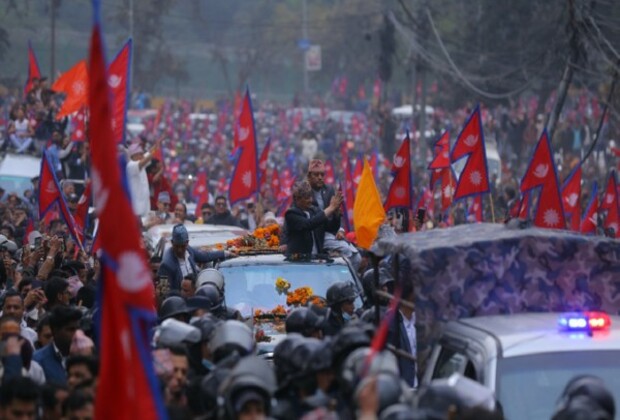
(567, 77)
(304, 36)
(415, 59)
(422, 75)
(53, 41)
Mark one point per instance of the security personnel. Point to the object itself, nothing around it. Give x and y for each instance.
(341, 301)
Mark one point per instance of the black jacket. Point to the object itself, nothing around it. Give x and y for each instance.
(398, 338)
(300, 229)
(222, 219)
(327, 192)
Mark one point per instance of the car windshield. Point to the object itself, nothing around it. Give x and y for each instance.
(529, 386)
(252, 287)
(16, 184)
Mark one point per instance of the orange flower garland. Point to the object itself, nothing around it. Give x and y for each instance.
(299, 296)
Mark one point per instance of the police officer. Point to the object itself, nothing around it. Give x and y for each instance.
(386, 284)
(305, 322)
(341, 300)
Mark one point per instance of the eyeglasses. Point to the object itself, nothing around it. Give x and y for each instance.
(317, 173)
(166, 204)
(207, 213)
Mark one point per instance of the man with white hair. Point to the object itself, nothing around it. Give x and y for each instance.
(322, 194)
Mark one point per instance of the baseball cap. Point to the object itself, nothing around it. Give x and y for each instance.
(135, 148)
(179, 234)
(10, 245)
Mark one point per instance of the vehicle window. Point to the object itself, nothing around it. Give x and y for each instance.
(252, 287)
(529, 386)
(449, 362)
(16, 184)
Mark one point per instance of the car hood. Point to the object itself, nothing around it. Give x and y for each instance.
(268, 333)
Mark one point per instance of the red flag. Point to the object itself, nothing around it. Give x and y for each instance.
(521, 208)
(222, 185)
(118, 81)
(475, 210)
(159, 155)
(399, 194)
(374, 164)
(237, 109)
(81, 211)
(275, 183)
(426, 202)
(541, 173)
(330, 177)
(127, 387)
(244, 181)
(262, 164)
(524, 210)
(74, 83)
(610, 192)
(612, 221)
(448, 183)
(33, 69)
(441, 150)
(50, 194)
(201, 192)
(78, 133)
(29, 229)
(474, 179)
(589, 221)
(357, 173)
(571, 192)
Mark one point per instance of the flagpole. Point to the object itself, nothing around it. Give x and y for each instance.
(492, 207)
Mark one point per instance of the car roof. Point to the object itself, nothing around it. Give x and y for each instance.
(166, 230)
(534, 333)
(20, 166)
(271, 259)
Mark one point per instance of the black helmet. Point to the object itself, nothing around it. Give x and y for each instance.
(456, 391)
(281, 357)
(321, 357)
(206, 324)
(389, 389)
(173, 306)
(251, 379)
(348, 339)
(340, 292)
(591, 387)
(210, 296)
(231, 337)
(303, 321)
(356, 365)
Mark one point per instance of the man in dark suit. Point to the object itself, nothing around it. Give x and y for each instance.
(64, 322)
(402, 335)
(180, 260)
(323, 193)
(306, 224)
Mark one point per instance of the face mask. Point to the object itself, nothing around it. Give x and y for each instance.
(208, 365)
(346, 317)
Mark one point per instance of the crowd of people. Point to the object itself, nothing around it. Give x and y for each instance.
(204, 351)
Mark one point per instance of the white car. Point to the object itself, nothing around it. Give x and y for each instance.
(527, 359)
(157, 238)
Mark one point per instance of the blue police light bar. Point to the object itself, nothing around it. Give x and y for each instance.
(584, 321)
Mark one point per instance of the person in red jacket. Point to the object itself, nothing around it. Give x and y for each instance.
(159, 183)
